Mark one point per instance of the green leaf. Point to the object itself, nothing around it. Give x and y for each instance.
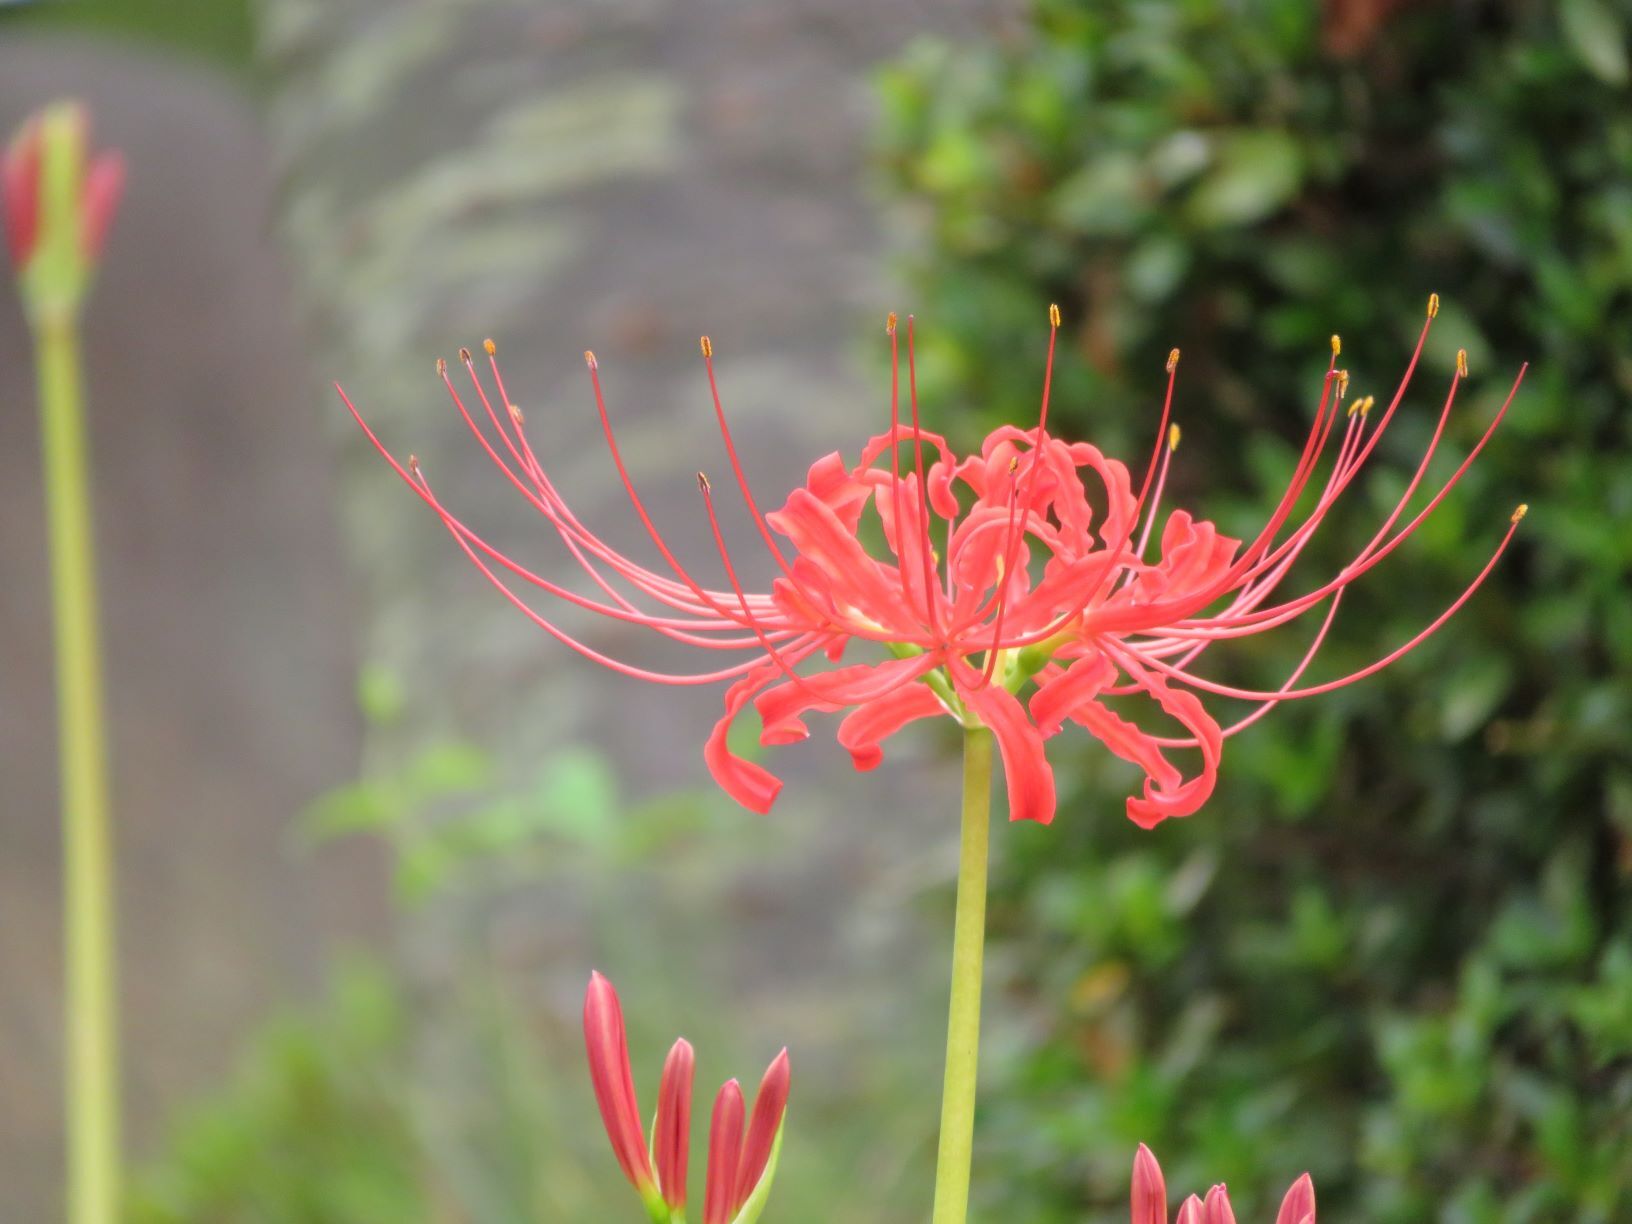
(1256, 173)
(1595, 33)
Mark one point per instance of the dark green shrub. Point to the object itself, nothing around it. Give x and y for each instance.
(1396, 949)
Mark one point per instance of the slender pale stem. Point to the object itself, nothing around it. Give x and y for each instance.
(963, 1015)
(91, 1022)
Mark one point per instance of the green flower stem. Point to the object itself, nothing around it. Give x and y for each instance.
(92, 1046)
(968, 955)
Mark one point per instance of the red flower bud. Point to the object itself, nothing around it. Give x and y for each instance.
(671, 1138)
(1191, 1212)
(20, 192)
(769, 1106)
(103, 186)
(724, 1153)
(608, 1050)
(1298, 1207)
(1218, 1206)
(1149, 1191)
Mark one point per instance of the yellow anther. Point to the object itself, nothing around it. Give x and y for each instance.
(442, 367)
(1524, 509)
(1337, 344)
(1014, 465)
(589, 359)
(515, 414)
(1172, 361)
(702, 483)
(706, 345)
(464, 355)
(1342, 383)
(490, 348)
(1053, 315)
(413, 465)
(1173, 437)
(1362, 405)
(1433, 304)
(889, 324)
(1462, 362)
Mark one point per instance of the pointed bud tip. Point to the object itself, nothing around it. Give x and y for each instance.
(1433, 304)
(1053, 314)
(706, 345)
(1172, 361)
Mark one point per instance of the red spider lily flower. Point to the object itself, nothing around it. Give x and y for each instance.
(1149, 1199)
(741, 1165)
(57, 205)
(1016, 589)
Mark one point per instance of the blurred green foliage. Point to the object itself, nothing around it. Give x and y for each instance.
(220, 30)
(314, 1128)
(1396, 948)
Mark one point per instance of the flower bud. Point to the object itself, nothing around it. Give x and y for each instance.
(608, 1051)
(671, 1137)
(57, 203)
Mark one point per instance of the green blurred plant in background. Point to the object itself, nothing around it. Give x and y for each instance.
(1395, 949)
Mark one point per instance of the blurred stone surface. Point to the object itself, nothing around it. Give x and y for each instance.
(227, 618)
(622, 175)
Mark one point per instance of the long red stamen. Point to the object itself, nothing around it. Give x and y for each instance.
(1125, 650)
(931, 620)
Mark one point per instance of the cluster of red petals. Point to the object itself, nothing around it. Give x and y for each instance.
(22, 168)
(1149, 1199)
(1021, 588)
(740, 1146)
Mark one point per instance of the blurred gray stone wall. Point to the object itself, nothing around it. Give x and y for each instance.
(227, 618)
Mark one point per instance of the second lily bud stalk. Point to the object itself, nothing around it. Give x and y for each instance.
(743, 1150)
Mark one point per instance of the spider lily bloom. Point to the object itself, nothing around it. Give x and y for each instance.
(1149, 1199)
(57, 207)
(1017, 588)
(741, 1163)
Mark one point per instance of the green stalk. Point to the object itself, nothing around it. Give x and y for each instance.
(963, 1015)
(92, 1047)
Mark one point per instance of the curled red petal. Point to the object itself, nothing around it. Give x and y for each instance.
(671, 1137)
(780, 708)
(863, 730)
(609, 1072)
(1026, 771)
(1162, 800)
(1149, 1192)
(751, 785)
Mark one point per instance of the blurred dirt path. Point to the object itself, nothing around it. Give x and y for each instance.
(226, 618)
